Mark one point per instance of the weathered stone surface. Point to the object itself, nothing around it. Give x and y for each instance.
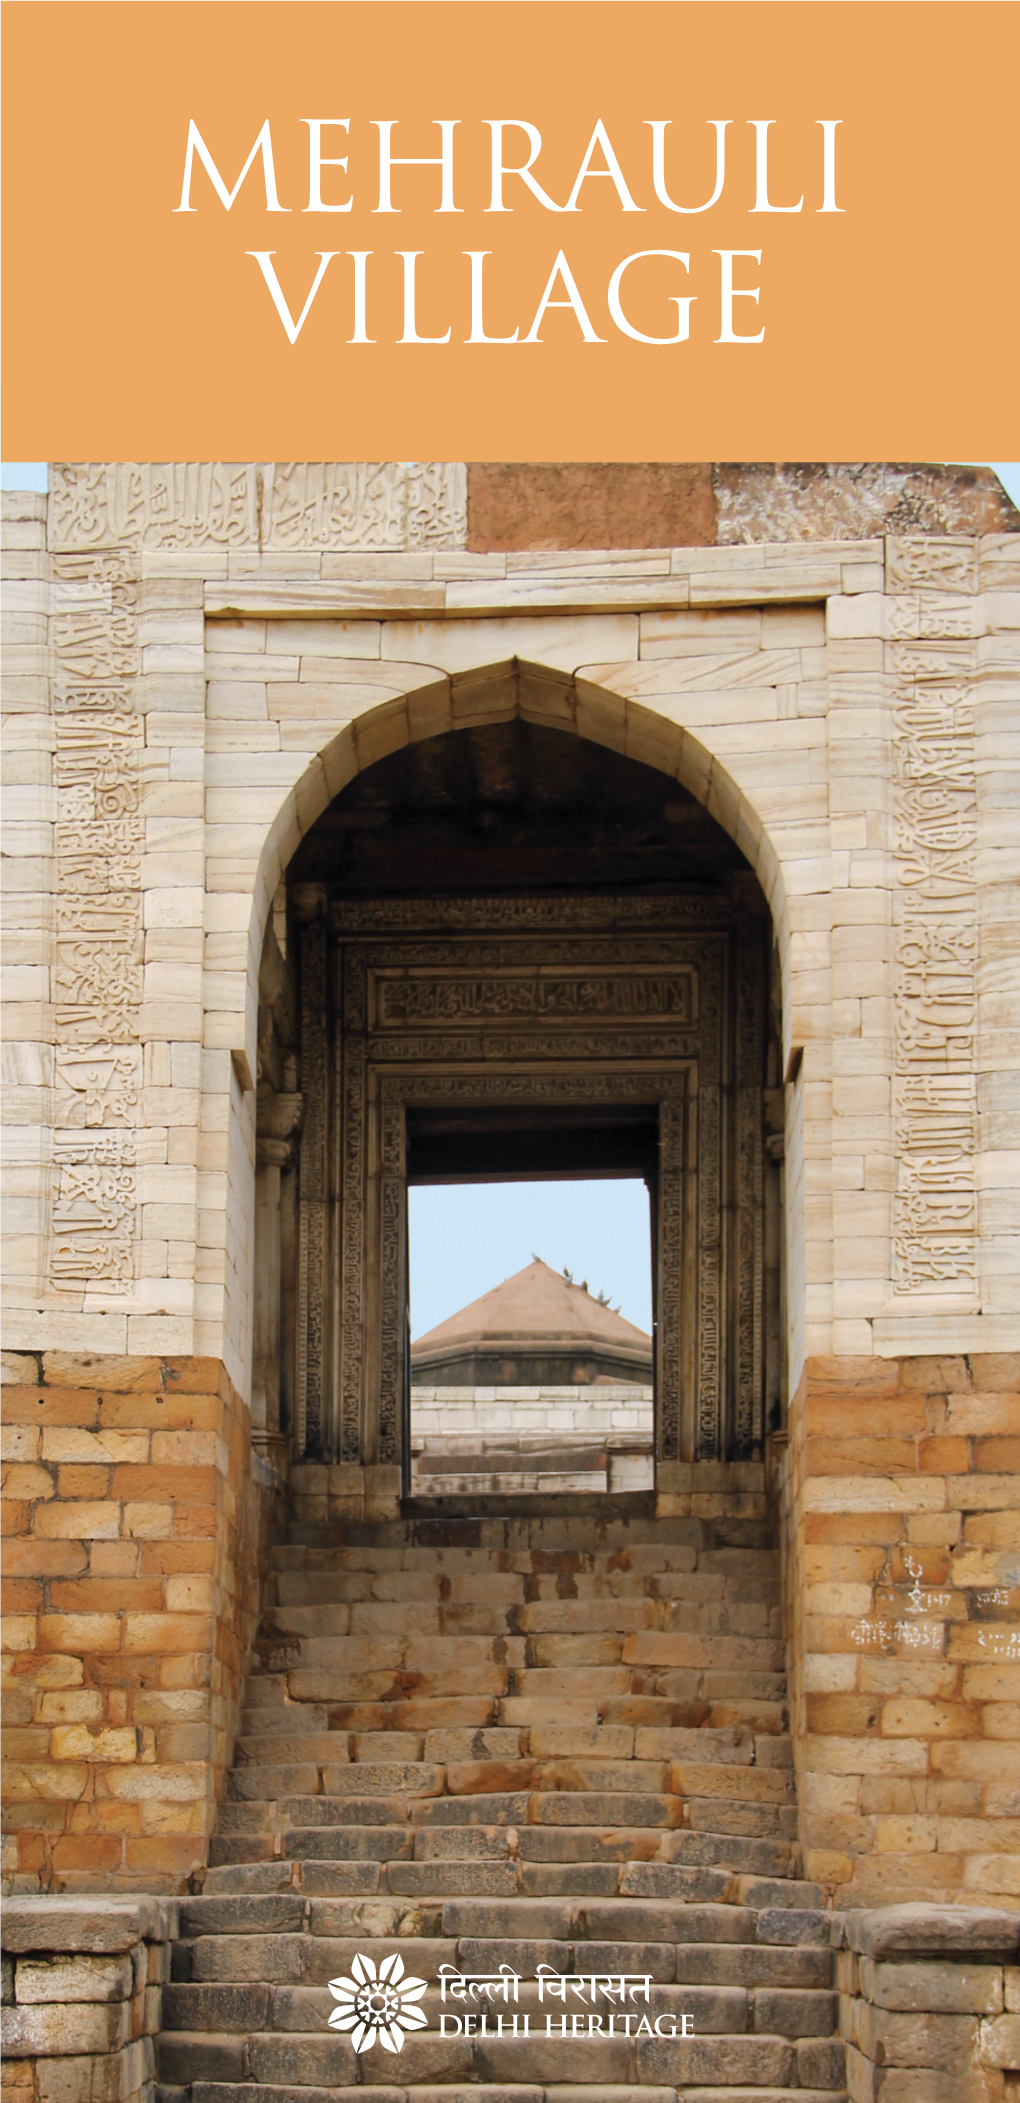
(78, 1978)
(889, 1930)
(85, 1924)
(81, 2027)
(559, 505)
(946, 1988)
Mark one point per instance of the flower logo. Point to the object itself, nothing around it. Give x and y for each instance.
(374, 2005)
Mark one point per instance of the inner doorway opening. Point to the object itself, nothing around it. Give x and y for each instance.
(532, 1378)
(513, 956)
(532, 1335)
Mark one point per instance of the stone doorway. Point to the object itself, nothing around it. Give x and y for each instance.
(506, 938)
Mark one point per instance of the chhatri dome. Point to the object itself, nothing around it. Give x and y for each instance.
(537, 1329)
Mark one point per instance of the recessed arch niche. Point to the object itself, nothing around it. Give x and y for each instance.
(510, 915)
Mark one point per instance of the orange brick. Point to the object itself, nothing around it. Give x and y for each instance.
(998, 1456)
(184, 1449)
(155, 1485)
(167, 1818)
(172, 1856)
(206, 1375)
(92, 1851)
(842, 1715)
(936, 1376)
(158, 1632)
(99, 1369)
(845, 1416)
(17, 2079)
(77, 1521)
(113, 1559)
(836, 1564)
(44, 1558)
(881, 1528)
(14, 1518)
(31, 1851)
(106, 1595)
(912, 1718)
(40, 1405)
(929, 1566)
(55, 1782)
(192, 1522)
(943, 1456)
(174, 1556)
(866, 1456)
(22, 1596)
(192, 1413)
(852, 1376)
(104, 1816)
(189, 1668)
(79, 1633)
(113, 1669)
(134, 1412)
(75, 1479)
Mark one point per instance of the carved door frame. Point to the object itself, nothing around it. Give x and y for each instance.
(570, 1001)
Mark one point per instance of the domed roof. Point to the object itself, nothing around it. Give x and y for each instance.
(536, 1317)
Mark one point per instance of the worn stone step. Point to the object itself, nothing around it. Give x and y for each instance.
(346, 1843)
(453, 1879)
(767, 1858)
(753, 1964)
(480, 2092)
(283, 1719)
(298, 1746)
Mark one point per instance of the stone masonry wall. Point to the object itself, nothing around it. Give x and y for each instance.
(83, 1998)
(929, 2004)
(198, 656)
(900, 1499)
(136, 1518)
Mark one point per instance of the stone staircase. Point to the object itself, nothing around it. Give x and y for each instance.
(487, 1742)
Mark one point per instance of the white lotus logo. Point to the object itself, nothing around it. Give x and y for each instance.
(377, 2004)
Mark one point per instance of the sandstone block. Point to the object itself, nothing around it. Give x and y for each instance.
(75, 1978)
(81, 2027)
(945, 1989)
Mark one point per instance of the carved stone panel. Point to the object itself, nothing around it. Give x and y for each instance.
(365, 504)
(97, 980)
(561, 1003)
(935, 1226)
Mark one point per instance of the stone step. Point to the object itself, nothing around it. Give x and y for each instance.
(312, 1737)
(263, 1781)
(676, 1574)
(752, 2062)
(270, 1711)
(279, 1936)
(736, 1618)
(480, 2092)
(801, 2008)
(637, 1540)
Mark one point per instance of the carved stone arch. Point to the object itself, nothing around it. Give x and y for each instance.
(582, 707)
(361, 1066)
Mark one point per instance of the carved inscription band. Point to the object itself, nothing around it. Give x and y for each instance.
(98, 842)
(935, 1103)
(287, 505)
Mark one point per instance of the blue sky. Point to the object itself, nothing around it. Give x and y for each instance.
(467, 1237)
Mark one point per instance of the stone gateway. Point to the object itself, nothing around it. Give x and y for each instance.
(378, 821)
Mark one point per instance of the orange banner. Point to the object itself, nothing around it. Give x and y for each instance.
(555, 229)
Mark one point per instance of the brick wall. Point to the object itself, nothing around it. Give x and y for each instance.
(900, 1505)
(135, 1517)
